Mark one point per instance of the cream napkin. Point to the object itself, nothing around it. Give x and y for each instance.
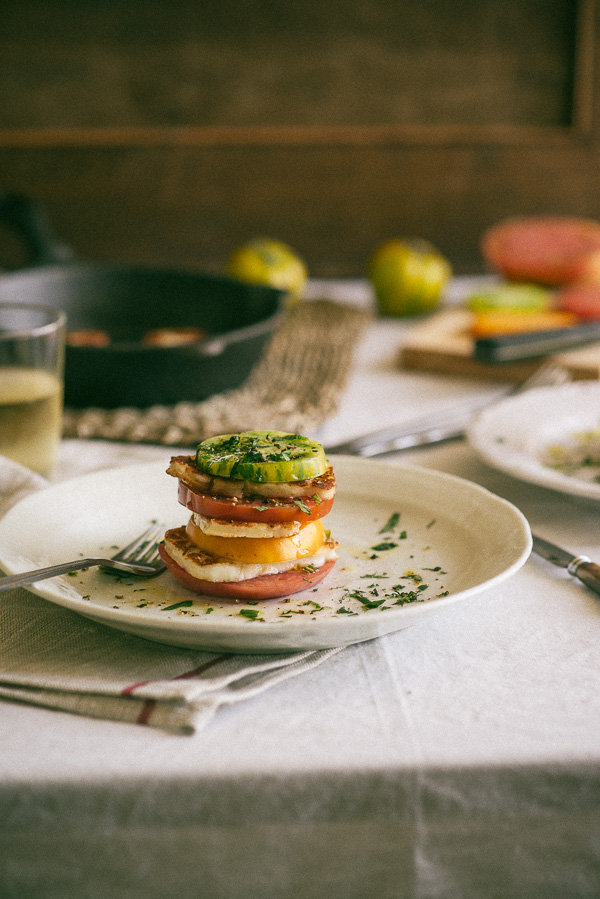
(52, 657)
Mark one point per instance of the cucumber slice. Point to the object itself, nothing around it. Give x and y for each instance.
(262, 456)
(515, 295)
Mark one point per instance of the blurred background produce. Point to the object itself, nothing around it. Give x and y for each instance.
(168, 134)
(271, 262)
(562, 252)
(511, 296)
(408, 277)
(553, 250)
(580, 299)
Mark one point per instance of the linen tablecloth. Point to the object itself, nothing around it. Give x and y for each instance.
(458, 759)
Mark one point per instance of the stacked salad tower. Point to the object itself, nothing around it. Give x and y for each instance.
(257, 502)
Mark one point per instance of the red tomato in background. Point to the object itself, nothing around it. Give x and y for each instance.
(582, 300)
(552, 250)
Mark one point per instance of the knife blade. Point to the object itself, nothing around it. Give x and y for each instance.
(580, 567)
(441, 426)
(417, 432)
(515, 347)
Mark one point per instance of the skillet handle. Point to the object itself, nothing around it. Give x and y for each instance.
(27, 219)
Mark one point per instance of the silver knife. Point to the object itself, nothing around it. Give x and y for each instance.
(443, 426)
(579, 566)
(420, 432)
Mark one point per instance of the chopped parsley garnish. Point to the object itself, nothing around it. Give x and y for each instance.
(311, 602)
(390, 523)
(373, 576)
(363, 599)
(377, 597)
(411, 575)
(302, 506)
(405, 596)
(381, 547)
(184, 604)
(370, 603)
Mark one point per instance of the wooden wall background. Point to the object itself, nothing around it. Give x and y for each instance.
(168, 132)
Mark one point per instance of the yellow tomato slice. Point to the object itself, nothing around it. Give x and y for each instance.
(261, 550)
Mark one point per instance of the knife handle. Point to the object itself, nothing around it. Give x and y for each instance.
(587, 572)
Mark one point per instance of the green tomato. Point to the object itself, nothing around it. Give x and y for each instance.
(408, 277)
(262, 457)
(270, 262)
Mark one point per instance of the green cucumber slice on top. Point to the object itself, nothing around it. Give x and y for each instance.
(262, 456)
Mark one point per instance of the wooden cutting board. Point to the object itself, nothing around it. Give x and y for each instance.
(443, 344)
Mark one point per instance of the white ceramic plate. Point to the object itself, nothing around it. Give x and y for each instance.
(514, 434)
(453, 539)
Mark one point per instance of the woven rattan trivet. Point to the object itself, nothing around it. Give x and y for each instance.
(294, 387)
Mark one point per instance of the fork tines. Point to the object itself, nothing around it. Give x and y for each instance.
(143, 549)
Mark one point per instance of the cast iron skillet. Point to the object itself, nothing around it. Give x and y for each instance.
(127, 301)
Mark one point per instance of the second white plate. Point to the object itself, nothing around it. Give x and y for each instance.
(452, 540)
(514, 435)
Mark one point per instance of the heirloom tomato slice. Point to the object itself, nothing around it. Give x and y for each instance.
(260, 510)
(262, 456)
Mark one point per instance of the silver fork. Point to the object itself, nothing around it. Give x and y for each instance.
(140, 557)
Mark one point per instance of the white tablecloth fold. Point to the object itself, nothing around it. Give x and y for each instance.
(52, 657)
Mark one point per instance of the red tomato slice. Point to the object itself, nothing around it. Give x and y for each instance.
(581, 299)
(260, 510)
(268, 586)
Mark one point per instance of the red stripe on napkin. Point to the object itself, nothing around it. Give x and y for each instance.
(201, 668)
(146, 711)
(150, 704)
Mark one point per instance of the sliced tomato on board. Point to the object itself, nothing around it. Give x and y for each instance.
(582, 300)
(552, 250)
(261, 510)
(268, 586)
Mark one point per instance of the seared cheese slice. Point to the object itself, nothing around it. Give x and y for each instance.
(203, 565)
(216, 527)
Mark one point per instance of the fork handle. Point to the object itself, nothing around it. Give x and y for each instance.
(41, 574)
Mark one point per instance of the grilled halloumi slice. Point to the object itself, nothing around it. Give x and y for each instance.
(216, 527)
